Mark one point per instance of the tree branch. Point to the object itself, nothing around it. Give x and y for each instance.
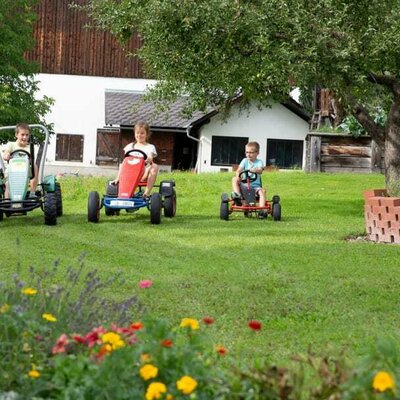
(390, 81)
(367, 122)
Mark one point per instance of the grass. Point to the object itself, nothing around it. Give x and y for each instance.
(300, 277)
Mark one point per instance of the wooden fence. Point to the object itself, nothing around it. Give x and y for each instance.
(342, 153)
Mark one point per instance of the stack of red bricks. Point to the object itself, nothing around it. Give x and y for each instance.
(382, 216)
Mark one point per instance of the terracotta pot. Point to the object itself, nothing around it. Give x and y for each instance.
(382, 216)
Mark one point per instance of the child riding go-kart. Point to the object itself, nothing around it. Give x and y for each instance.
(21, 168)
(248, 200)
(128, 194)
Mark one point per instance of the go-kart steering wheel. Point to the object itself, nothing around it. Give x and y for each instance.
(26, 153)
(128, 153)
(246, 175)
(20, 151)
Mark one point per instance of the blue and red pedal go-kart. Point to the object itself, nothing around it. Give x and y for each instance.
(128, 193)
(248, 202)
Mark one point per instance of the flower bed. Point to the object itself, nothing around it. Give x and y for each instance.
(49, 350)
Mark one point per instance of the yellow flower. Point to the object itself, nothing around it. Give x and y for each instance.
(148, 371)
(49, 317)
(4, 308)
(383, 381)
(29, 291)
(155, 390)
(169, 397)
(113, 339)
(186, 384)
(189, 322)
(33, 373)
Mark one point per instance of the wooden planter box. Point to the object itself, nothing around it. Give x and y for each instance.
(382, 216)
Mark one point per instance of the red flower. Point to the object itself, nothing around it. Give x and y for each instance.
(208, 320)
(255, 325)
(136, 326)
(167, 343)
(221, 350)
(60, 346)
(79, 339)
(147, 283)
(93, 337)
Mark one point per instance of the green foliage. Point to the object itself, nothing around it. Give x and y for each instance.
(73, 296)
(352, 126)
(18, 87)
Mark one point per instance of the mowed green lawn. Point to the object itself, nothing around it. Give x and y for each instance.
(299, 277)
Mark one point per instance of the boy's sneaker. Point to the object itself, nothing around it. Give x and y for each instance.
(262, 214)
(236, 199)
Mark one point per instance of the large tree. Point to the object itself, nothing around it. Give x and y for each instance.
(216, 49)
(18, 86)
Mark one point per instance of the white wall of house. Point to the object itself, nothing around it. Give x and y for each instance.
(79, 108)
(276, 122)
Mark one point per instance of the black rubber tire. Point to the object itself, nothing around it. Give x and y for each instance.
(50, 209)
(111, 189)
(109, 211)
(276, 199)
(225, 197)
(170, 205)
(224, 210)
(276, 212)
(155, 208)
(1, 215)
(93, 207)
(59, 203)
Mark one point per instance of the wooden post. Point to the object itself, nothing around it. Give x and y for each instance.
(315, 153)
(376, 157)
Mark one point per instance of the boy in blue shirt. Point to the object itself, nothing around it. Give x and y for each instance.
(252, 164)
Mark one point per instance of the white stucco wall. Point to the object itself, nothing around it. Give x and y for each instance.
(276, 122)
(79, 108)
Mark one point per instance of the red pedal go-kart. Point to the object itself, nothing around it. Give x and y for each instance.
(128, 193)
(248, 203)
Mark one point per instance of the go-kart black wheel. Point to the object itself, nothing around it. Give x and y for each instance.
(50, 209)
(224, 210)
(112, 189)
(246, 175)
(170, 205)
(109, 211)
(276, 199)
(1, 215)
(128, 153)
(59, 204)
(276, 212)
(93, 207)
(155, 208)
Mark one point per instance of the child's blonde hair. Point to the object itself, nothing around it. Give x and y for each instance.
(255, 145)
(20, 126)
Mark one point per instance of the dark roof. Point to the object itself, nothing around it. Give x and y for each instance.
(297, 108)
(127, 108)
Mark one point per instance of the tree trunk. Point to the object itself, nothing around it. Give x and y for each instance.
(392, 149)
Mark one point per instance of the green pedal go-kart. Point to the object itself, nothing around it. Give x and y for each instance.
(18, 174)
